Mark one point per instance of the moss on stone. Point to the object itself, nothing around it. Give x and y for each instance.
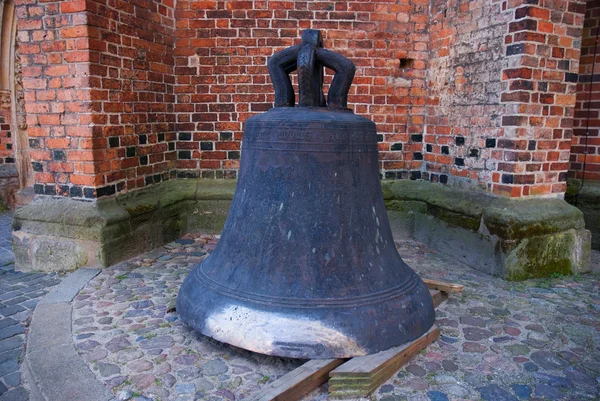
(542, 257)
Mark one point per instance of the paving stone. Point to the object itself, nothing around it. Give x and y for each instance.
(214, 367)
(11, 354)
(9, 366)
(11, 331)
(437, 396)
(16, 394)
(522, 391)
(549, 360)
(416, 370)
(548, 392)
(11, 343)
(493, 392)
(12, 379)
(476, 334)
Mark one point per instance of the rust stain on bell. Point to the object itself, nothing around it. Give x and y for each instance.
(306, 266)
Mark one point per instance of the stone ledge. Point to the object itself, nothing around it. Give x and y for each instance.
(514, 239)
(53, 368)
(587, 199)
(61, 234)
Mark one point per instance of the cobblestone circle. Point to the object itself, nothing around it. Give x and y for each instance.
(19, 294)
(501, 341)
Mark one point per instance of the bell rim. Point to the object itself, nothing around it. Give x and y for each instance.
(309, 303)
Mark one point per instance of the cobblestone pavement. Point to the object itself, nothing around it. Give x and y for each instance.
(19, 294)
(501, 341)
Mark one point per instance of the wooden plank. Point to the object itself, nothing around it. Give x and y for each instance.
(370, 364)
(361, 376)
(298, 382)
(443, 286)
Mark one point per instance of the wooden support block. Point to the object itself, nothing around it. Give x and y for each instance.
(298, 382)
(360, 376)
(438, 297)
(443, 286)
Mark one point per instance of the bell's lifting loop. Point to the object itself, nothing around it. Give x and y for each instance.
(309, 58)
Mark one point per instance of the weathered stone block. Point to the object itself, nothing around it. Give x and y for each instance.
(61, 234)
(587, 199)
(513, 239)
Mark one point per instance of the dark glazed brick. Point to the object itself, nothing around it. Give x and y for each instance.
(59, 155)
(444, 179)
(415, 175)
(445, 150)
(37, 166)
(459, 161)
(113, 141)
(50, 189)
(570, 77)
(417, 156)
(490, 143)
(233, 155)
(508, 178)
(38, 189)
(206, 146)
(531, 145)
(226, 136)
(459, 140)
(75, 192)
(515, 49)
(185, 154)
(89, 193)
(143, 139)
(429, 147)
(161, 137)
(396, 147)
(185, 136)
(106, 191)
(130, 151)
(416, 138)
(143, 160)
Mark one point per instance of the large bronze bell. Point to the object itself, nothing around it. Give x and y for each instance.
(306, 266)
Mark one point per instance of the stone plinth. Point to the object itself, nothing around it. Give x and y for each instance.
(513, 239)
(587, 199)
(60, 234)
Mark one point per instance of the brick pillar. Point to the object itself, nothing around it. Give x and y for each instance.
(587, 110)
(54, 39)
(540, 70)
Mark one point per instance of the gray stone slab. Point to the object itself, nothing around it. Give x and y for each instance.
(69, 287)
(61, 374)
(50, 327)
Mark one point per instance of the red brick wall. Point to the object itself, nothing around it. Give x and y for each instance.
(53, 39)
(542, 64)
(587, 111)
(221, 53)
(123, 94)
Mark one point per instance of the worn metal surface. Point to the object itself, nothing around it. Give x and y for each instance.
(306, 266)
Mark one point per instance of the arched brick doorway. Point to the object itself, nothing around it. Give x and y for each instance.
(15, 162)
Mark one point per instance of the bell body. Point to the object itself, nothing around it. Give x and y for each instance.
(306, 266)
